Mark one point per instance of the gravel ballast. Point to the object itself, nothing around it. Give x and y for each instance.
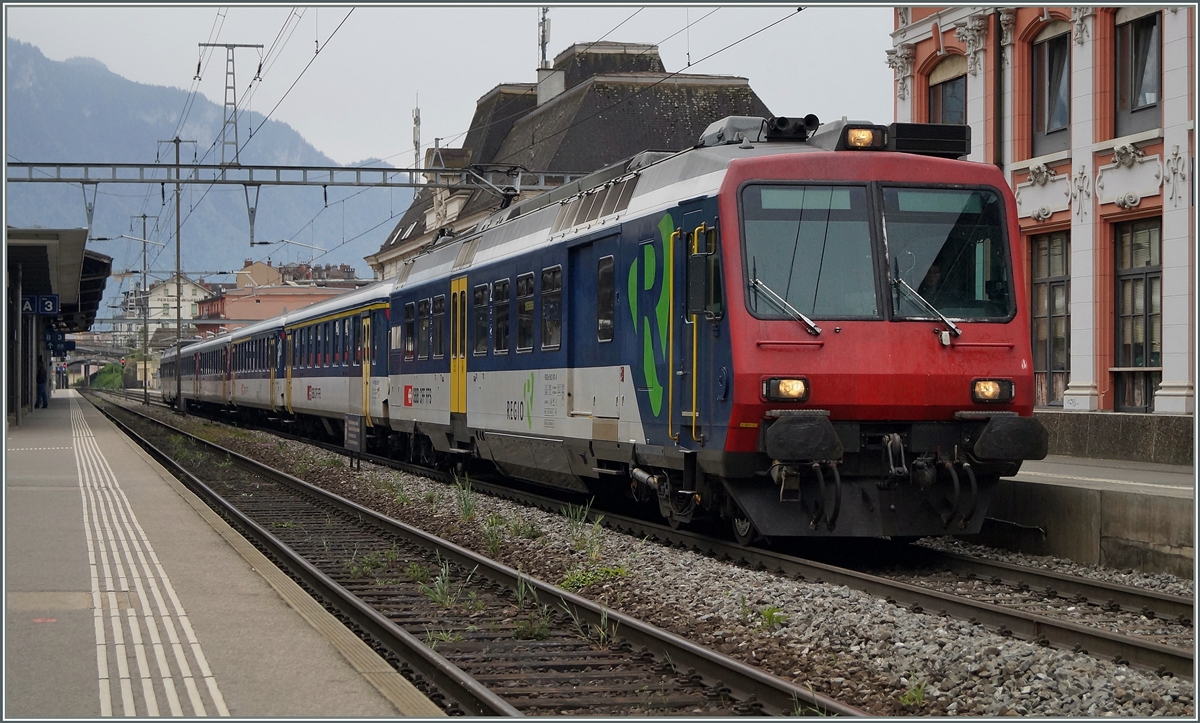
(848, 645)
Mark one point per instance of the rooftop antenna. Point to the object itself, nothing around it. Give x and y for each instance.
(412, 177)
(544, 35)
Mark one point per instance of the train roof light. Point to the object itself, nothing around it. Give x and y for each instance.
(942, 140)
(860, 138)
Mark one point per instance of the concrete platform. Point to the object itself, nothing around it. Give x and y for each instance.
(125, 595)
(1115, 513)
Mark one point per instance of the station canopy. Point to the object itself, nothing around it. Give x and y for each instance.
(56, 261)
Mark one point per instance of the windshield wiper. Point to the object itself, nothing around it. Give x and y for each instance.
(901, 283)
(784, 306)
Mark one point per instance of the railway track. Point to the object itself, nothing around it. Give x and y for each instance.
(478, 637)
(1059, 625)
(1034, 627)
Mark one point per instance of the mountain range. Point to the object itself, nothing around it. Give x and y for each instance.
(78, 111)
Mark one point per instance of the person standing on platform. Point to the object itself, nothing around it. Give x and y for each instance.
(43, 392)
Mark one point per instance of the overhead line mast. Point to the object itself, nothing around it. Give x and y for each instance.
(231, 95)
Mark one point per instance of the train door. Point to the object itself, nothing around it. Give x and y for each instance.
(235, 355)
(271, 361)
(287, 367)
(595, 376)
(362, 357)
(196, 367)
(458, 345)
(690, 373)
(226, 374)
(380, 349)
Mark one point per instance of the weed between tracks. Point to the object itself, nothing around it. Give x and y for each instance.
(465, 497)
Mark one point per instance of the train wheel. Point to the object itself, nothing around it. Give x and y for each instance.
(743, 528)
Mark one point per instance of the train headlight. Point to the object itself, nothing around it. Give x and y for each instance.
(860, 137)
(863, 138)
(786, 390)
(992, 390)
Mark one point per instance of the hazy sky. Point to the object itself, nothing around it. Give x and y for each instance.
(355, 99)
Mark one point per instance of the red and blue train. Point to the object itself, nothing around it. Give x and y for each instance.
(802, 330)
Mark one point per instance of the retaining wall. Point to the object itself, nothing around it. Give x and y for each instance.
(1162, 438)
(1116, 529)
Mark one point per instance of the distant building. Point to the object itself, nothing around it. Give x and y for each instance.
(158, 306)
(256, 303)
(1090, 113)
(600, 103)
(257, 273)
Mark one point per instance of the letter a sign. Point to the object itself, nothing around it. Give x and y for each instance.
(28, 304)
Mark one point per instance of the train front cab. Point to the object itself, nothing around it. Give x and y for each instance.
(883, 380)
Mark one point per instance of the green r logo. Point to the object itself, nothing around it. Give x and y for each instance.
(658, 314)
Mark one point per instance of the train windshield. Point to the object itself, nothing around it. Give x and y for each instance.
(810, 246)
(948, 245)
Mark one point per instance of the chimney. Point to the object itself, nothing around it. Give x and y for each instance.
(551, 82)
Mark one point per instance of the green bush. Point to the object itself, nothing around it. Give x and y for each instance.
(108, 378)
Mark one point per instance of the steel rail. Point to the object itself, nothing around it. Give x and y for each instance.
(1041, 629)
(1060, 584)
(744, 681)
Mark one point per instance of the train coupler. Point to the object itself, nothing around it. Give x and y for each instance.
(788, 479)
(893, 459)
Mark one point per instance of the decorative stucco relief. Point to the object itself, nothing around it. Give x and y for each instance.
(1008, 21)
(1081, 191)
(972, 32)
(1043, 194)
(1176, 178)
(1079, 18)
(1130, 177)
(900, 59)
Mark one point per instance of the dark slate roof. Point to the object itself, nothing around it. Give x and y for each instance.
(599, 121)
(583, 61)
(495, 114)
(611, 117)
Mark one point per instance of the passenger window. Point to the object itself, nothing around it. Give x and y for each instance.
(500, 294)
(439, 323)
(606, 299)
(410, 331)
(551, 308)
(481, 319)
(525, 312)
(423, 329)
